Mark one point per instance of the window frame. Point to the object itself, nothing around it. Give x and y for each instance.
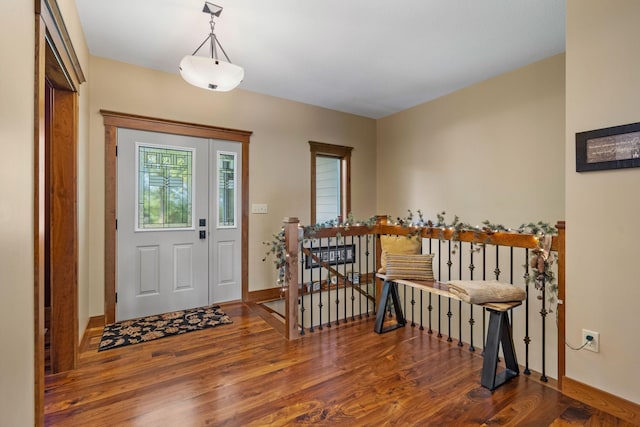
(321, 149)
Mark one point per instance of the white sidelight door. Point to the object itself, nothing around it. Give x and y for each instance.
(226, 249)
(165, 239)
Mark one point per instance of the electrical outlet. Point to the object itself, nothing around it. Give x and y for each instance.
(594, 344)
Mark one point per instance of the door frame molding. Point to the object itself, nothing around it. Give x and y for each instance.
(56, 62)
(114, 120)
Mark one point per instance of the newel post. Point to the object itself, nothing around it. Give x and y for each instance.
(291, 277)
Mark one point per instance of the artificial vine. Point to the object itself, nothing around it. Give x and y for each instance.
(541, 260)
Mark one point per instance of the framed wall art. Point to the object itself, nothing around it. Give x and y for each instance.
(609, 148)
(332, 255)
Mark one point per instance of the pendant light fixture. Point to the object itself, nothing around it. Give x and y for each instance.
(211, 72)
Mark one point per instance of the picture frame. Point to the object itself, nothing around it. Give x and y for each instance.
(332, 255)
(608, 148)
(354, 277)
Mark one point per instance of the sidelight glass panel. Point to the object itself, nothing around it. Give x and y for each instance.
(227, 180)
(164, 188)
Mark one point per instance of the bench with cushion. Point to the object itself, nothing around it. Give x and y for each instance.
(498, 298)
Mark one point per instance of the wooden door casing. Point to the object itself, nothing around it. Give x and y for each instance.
(114, 120)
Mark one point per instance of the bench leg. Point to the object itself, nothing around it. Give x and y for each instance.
(499, 332)
(389, 289)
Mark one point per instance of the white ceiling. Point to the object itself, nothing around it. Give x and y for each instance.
(367, 57)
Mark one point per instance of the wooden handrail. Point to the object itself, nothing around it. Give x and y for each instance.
(518, 240)
(382, 227)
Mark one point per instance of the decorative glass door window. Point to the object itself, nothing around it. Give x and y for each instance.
(164, 187)
(227, 182)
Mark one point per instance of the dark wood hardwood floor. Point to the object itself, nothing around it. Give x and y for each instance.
(246, 374)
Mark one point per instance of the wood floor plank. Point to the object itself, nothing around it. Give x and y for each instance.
(246, 374)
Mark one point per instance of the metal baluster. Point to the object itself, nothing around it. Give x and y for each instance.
(353, 298)
(302, 309)
(337, 301)
(421, 320)
(430, 307)
(413, 307)
(344, 277)
(543, 315)
(460, 302)
(439, 297)
(449, 313)
(321, 304)
(311, 291)
(484, 310)
(497, 270)
(366, 254)
(527, 339)
(471, 319)
(511, 322)
(359, 276)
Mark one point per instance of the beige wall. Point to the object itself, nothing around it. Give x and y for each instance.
(492, 151)
(432, 152)
(16, 209)
(279, 150)
(603, 88)
(16, 218)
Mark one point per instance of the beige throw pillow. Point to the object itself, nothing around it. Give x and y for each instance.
(410, 267)
(397, 245)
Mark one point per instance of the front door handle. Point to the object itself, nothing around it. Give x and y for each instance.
(203, 234)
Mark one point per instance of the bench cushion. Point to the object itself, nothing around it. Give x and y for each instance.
(414, 267)
(483, 291)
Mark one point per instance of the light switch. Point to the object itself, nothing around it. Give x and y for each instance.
(259, 208)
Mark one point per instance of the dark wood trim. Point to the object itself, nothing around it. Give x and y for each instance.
(312, 190)
(154, 124)
(58, 38)
(346, 185)
(56, 61)
(95, 322)
(344, 154)
(38, 221)
(110, 241)
(268, 316)
(263, 295)
(245, 221)
(114, 120)
(602, 400)
(63, 222)
(330, 149)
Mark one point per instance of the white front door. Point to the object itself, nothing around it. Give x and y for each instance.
(168, 248)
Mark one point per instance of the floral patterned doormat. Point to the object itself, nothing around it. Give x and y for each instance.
(161, 325)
